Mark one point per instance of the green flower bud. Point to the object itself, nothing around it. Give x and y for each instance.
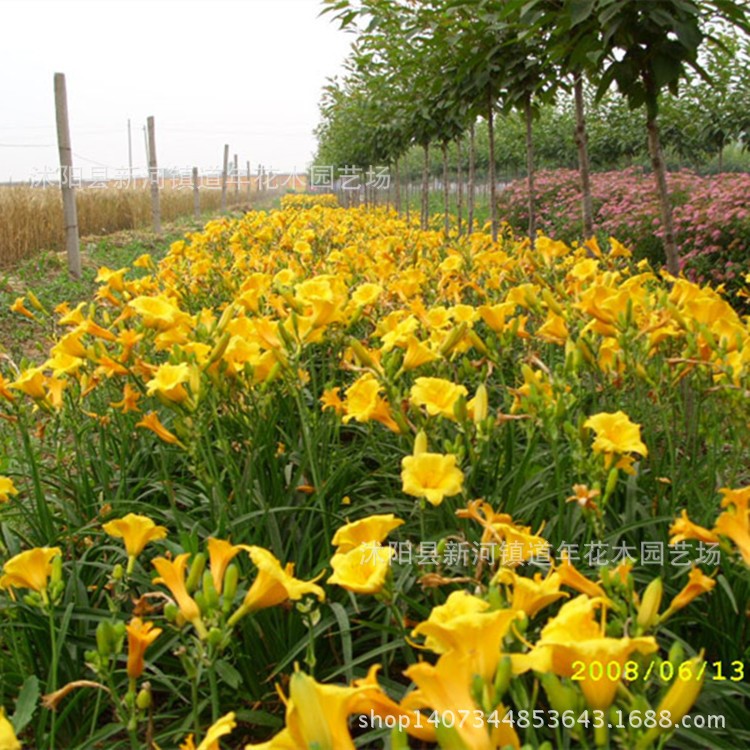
(231, 578)
(196, 571)
(209, 591)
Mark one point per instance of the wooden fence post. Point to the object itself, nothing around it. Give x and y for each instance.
(153, 177)
(236, 180)
(70, 216)
(224, 178)
(196, 195)
(249, 180)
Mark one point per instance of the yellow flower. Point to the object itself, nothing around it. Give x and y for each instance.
(570, 576)
(136, 531)
(7, 488)
(615, 433)
(437, 395)
(221, 553)
(736, 528)
(697, 584)
(432, 476)
(32, 383)
(364, 402)
(447, 687)
(152, 422)
(19, 307)
(158, 312)
(30, 569)
(531, 595)
(372, 529)
(417, 354)
(140, 636)
(172, 575)
(363, 569)
(8, 739)
(366, 294)
(683, 528)
(273, 584)
(218, 729)
(576, 635)
(331, 400)
(168, 381)
(475, 631)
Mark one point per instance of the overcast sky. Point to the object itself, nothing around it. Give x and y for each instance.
(244, 72)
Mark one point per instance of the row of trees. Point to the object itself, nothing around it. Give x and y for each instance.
(422, 73)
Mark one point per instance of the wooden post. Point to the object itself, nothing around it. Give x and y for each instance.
(224, 178)
(153, 177)
(196, 195)
(249, 180)
(236, 180)
(72, 244)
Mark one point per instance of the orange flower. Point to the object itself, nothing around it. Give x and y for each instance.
(172, 575)
(140, 636)
(151, 422)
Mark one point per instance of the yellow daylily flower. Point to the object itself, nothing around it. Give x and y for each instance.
(7, 488)
(697, 584)
(172, 575)
(437, 395)
(30, 569)
(447, 687)
(373, 529)
(576, 635)
(432, 476)
(152, 422)
(363, 569)
(168, 382)
(8, 739)
(217, 730)
(273, 584)
(615, 433)
(683, 528)
(136, 531)
(531, 595)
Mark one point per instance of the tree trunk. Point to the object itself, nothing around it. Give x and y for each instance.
(460, 188)
(530, 169)
(472, 178)
(425, 187)
(446, 192)
(660, 174)
(397, 189)
(491, 176)
(584, 166)
(408, 200)
(721, 156)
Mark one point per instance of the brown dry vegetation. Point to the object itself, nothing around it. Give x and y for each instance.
(31, 218)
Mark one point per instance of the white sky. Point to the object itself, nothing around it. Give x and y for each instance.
(244, 72)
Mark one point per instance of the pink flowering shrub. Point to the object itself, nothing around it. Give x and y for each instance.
(711, 216)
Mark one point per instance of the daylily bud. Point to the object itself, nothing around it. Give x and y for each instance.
(209, 591)
(648, 612)
(231, 578)
(170, 612)
(361, 353)
(561, 697)
(104, 638)
(420, 443)
(480, 404)
(143, 699)
(502, 677)
(196, 572)
(678, 700)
